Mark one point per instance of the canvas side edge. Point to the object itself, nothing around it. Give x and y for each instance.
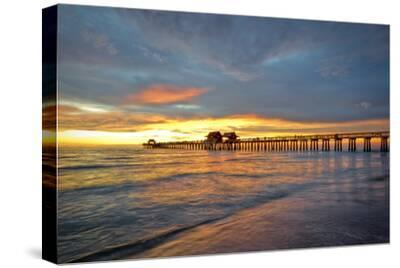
(49, 134)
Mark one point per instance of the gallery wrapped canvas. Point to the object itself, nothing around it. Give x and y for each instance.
(173, 134)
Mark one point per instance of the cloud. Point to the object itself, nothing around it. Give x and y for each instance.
(99, 41)
(187, 106)
(73, 118)
(151, 53)
(335, 66)
(164, 94)
(364, 105)
(123, 129)
(332, 71)
(247, 125)
(83, 106)
(234, 45)
(256, 65)
(233, 71)
(49, 113)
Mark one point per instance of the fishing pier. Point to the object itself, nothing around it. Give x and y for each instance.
(321, 142)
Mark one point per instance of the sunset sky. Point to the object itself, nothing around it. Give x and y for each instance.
(125, 76)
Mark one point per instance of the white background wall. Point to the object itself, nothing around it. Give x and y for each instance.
(20, 131)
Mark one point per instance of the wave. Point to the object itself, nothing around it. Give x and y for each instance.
(103, 166)
(249, 176)
(118, 158)
(380, 178)
(240, 160)
(126, 250)
(188, 174)
(80, 167)
(104, 189)
(140, 246)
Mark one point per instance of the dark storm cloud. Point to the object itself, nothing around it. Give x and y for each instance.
(293, 69)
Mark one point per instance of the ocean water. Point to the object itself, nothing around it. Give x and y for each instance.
(118, 202)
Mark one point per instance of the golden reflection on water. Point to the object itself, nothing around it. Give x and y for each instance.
(212, 174)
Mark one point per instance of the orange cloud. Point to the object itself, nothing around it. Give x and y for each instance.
(165, 94)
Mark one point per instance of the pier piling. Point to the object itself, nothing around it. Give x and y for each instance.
(384, 144)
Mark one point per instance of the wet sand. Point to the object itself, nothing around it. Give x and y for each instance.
(305, 219)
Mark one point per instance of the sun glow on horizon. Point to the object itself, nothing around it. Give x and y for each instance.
(196, 129)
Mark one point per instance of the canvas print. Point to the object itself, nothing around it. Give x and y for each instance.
(174, 134)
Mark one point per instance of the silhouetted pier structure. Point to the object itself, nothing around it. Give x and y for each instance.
(321, 142)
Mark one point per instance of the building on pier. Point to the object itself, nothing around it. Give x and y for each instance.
(151, 142)
(230, 137)
(214, 137)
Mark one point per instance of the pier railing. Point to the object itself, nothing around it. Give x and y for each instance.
(322, 142)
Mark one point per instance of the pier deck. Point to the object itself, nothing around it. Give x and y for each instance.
(320, 142)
